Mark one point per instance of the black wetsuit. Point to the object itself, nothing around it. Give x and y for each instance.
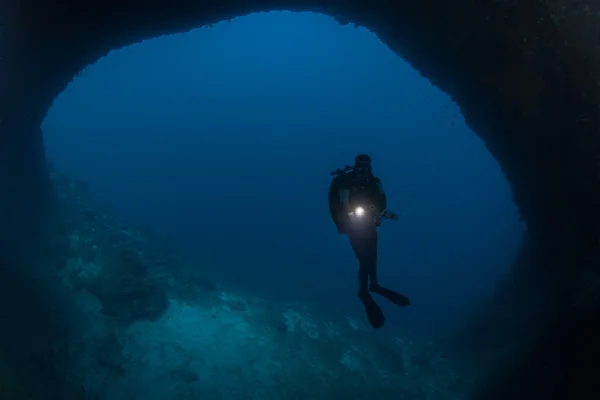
(346, 192)
(362, 191)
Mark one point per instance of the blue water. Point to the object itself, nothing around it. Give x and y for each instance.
(223, 140)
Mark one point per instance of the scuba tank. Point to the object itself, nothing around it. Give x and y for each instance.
(342, 171)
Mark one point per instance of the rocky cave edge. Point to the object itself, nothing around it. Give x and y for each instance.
(525, 74)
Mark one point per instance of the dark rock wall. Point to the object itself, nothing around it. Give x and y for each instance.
(525, 74)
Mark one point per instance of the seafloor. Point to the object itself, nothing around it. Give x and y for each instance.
(150, 326)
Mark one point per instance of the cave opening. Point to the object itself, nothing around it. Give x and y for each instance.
(253, 114)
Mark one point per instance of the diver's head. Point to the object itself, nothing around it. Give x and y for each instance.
(362, 164)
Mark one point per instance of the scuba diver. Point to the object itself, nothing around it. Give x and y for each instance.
(358, 204)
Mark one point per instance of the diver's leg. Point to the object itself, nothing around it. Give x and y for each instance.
(360, 245)
(363, 278)
(371, 256)
(364, 244)
(371, 266)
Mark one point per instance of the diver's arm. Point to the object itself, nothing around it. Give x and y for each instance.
(381, 196)
(337, 209)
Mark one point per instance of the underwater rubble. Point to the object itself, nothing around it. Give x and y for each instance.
(158, 328)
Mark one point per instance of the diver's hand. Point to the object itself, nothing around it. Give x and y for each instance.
(389, 215)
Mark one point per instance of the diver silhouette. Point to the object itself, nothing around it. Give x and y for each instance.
(357, 203)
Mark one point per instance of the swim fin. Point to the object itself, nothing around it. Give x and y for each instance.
(395, 297)
(374, 313)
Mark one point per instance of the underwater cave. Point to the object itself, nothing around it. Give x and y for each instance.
(525, 77)
(220, 127)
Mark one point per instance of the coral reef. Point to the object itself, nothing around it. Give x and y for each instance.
(119, 266)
